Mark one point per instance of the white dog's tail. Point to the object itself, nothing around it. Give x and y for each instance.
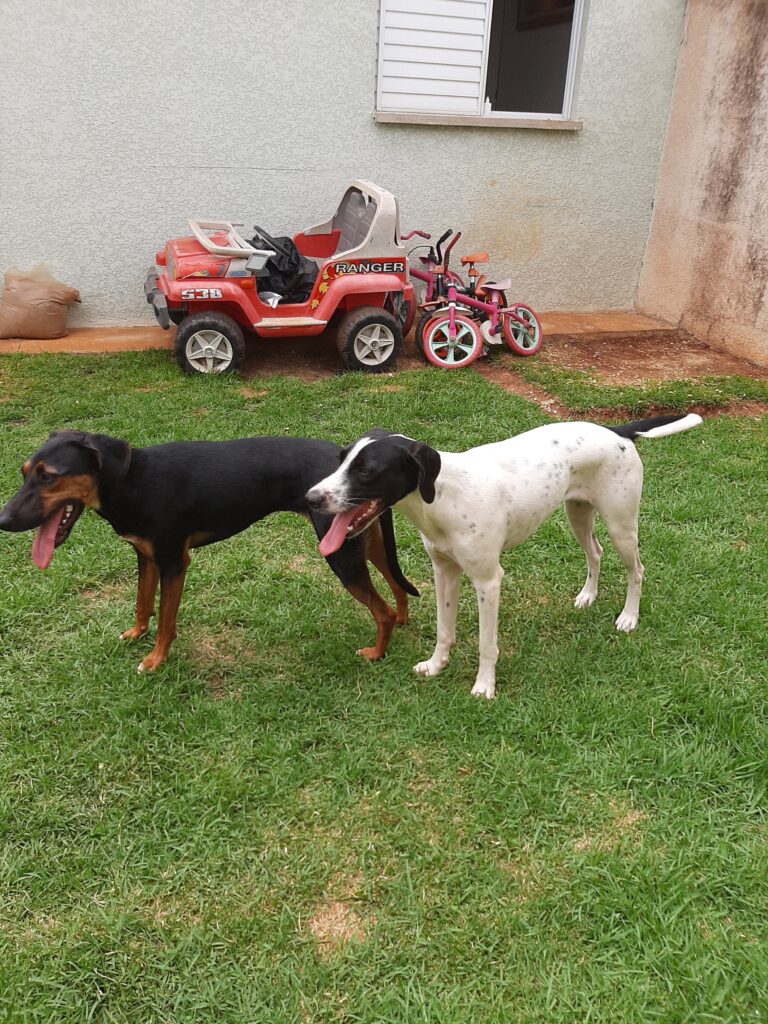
(658, 426)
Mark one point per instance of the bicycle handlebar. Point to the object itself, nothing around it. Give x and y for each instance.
(440, 241)
(452, 242)
(436, 253)
(446, 258)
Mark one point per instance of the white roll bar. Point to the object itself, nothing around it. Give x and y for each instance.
(237, 247)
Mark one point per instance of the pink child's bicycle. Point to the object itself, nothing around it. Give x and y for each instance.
(459, 320)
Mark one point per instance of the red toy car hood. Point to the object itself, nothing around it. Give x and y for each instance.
(186, 257)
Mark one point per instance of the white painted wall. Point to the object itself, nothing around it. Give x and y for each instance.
(120, 120)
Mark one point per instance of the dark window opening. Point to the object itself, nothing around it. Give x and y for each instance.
(530, 42)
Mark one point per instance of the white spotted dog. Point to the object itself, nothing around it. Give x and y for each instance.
(471, 506)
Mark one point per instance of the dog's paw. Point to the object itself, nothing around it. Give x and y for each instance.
(369, 653)
(484, 689)
(151, 662)
(626, 623)
(585, 598)
(134, 633)
(433, 667)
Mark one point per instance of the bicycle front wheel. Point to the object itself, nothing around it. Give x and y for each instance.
(440, 349)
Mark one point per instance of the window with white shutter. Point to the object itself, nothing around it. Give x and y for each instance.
(432, 55)
(478, 58)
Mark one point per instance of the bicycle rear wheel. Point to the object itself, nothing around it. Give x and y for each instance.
(523, 334)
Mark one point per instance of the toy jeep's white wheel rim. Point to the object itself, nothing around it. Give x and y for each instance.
(374, 344)
(209, 352)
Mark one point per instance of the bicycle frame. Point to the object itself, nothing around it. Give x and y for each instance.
(493, 309)
(432, 280)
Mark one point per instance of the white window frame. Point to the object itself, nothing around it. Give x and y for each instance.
(493, 118)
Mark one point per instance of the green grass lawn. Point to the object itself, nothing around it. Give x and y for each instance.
(269, 829)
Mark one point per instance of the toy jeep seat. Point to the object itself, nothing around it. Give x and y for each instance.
(353, 218)
(365, 224)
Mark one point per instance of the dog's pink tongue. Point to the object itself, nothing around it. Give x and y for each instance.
(45, 540)
(337, 532)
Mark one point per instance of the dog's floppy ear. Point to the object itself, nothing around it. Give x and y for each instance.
(112, 455)
(428, 461)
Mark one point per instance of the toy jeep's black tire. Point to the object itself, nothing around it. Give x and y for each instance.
(209, 343)
(410, 317)
(403, 309)
(418, 337)
(369, 339)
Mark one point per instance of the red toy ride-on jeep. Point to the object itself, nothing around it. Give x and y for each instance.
(351, 271)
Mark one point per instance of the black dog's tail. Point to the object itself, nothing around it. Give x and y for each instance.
(388, 532)
(658, 426)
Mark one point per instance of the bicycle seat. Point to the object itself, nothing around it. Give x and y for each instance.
(497, 286)
(474, 257)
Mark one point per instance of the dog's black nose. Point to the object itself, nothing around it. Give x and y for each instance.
(5, 519)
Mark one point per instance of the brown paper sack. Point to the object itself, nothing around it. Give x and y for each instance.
(35, 304)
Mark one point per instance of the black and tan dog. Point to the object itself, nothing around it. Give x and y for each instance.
(169, 498)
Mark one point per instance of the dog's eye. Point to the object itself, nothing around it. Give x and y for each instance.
(43, 477)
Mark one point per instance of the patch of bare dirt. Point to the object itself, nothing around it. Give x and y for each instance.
(106, 592)
(624, 825)
(513, 384)
(524, 875)
(743, 407)
(31, 929)
(224, 645)
(219, 688)
(215, 651)
(304, 566)
(617, 359)
(308, 359)
(678, 360)
(335, 924)
(645, 356)
(171, 910)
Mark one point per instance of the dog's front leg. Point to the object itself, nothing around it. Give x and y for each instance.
(447, 579)
(488, 590)
(149, 577)
(171, 586)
